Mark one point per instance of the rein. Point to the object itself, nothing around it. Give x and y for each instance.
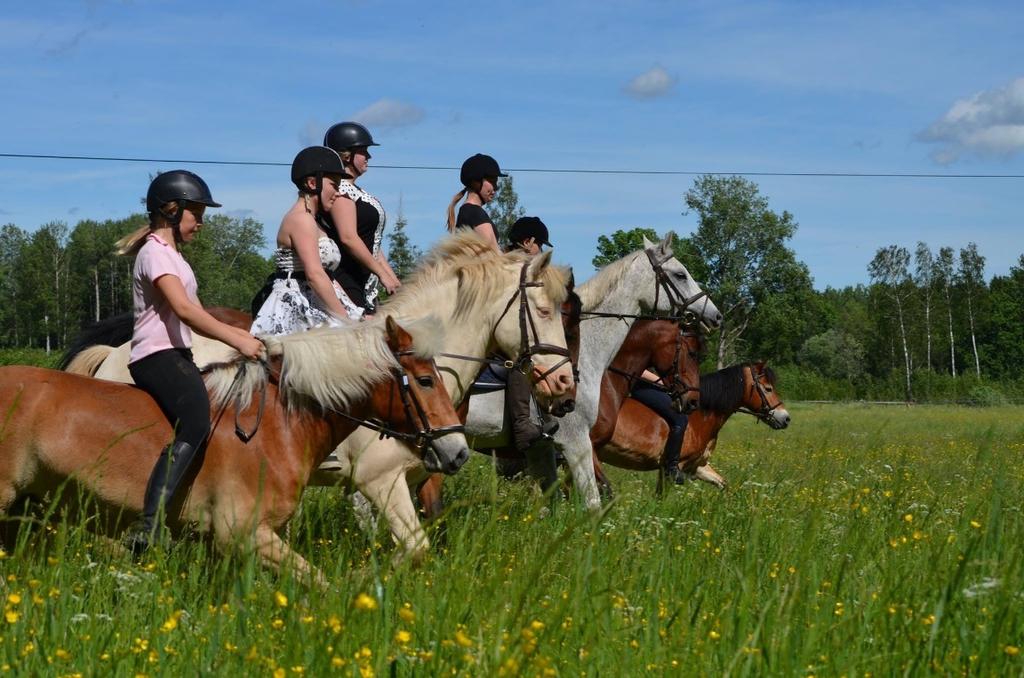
(766, 412)
(425, 435)
(678, 387)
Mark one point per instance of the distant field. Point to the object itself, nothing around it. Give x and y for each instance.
(862, 540)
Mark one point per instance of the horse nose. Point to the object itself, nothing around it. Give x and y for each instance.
(460, 458)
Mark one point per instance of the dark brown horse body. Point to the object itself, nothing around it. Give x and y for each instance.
(638, 440)
(101, 439)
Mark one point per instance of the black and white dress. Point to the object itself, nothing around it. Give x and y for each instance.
(358, 282)
(292, 305)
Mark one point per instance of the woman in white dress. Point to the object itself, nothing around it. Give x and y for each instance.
(301, 294)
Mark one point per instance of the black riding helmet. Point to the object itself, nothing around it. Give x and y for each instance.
(177, 186)
(478, 167)
(347, 135)
(315, 161)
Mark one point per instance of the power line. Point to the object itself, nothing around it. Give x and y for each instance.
(539, 170)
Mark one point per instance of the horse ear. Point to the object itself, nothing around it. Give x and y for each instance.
(398, 338)
(666, 244)
(647, 243)
(539, 263)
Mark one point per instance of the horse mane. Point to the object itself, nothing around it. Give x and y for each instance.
(722, 391)
(481, 272)
(334, 367)
(601, 284)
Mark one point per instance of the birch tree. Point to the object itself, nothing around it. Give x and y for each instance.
(945, 277)
(890, 269)
(971, 276)
(924, 277)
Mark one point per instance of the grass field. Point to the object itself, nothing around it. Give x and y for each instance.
(861, 541)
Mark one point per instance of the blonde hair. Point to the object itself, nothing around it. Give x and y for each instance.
(451, 208)
(133, 242)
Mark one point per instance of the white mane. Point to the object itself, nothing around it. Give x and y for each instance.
(602, 284)
(334, 367)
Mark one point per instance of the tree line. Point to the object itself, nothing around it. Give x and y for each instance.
(924, 325)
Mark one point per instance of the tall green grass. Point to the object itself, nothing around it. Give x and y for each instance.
(863, 540)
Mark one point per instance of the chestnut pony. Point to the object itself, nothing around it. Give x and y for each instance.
(639, 434)
(64, 433)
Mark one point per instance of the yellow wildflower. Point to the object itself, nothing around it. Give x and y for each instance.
(975, 524)
(11, 616)
(281, 599)
(908, 517)
(1012, 650)
(462, 639)
(402, 637)
(14, 599)
(365, 602)
(406, 614)
(714, 635)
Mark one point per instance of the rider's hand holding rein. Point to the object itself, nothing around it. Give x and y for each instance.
(196, 317)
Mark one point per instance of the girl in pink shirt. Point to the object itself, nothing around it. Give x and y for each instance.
(167, 310)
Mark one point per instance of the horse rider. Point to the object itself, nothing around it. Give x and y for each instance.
(302, 293)
(479, 176)
(356, 220)
(166, 311)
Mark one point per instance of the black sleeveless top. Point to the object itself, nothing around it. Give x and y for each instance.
(357, 281)
(471, 216)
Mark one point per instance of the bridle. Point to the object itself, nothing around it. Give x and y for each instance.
(677, 387)
(678, 302)
(527, 331)
(766, 412)
(424, 434)
(663, 282)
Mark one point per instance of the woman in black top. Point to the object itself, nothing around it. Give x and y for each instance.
(356, 221)
(480, 177)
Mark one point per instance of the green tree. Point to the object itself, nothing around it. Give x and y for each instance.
(226, 259)
(1004, 333)
(505, 209)
(742, 244)
(402, 254)
(13, 242)
(620, 243)
(834, 354)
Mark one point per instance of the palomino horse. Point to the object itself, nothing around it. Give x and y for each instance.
(487, 302)
(639, 437)
(649, 280)
(315, 390)
(669, 348)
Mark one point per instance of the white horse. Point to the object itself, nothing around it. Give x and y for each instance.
(622, 289)
(476, 293)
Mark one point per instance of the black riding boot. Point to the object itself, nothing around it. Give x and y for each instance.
(167, 475)
(670, 457)
(525, 431)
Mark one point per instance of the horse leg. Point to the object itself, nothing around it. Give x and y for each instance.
(365, 516)
(392, 498)
(579, 455)
(275, 553)
(431, 497)
(604, 485)
(540, 462)
(710, 475)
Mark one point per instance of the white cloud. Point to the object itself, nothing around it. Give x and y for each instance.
(389, 113)
(312, 132)
(652, 83)
(989, 123)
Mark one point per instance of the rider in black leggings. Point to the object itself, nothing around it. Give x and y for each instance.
(658, 400)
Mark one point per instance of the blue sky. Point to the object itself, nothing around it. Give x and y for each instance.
(659, 85)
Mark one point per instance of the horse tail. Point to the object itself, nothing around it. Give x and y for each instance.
(88, 360)
(112, 331)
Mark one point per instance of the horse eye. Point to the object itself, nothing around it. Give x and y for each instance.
(768, 389)
(544, 312)
(425, 382)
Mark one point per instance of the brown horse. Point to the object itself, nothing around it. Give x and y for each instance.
(639, 436)
(316, 389)
(665, 346)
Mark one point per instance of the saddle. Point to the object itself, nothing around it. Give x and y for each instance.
(491, 378)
